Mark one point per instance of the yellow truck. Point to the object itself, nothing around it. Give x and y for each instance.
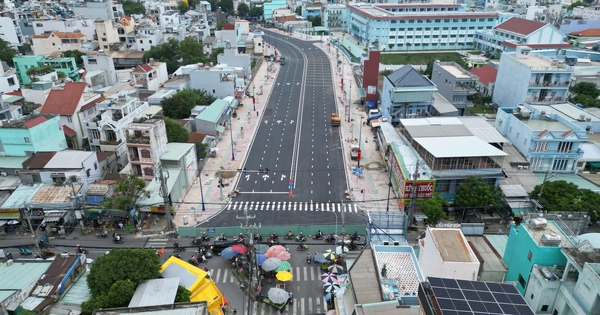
(335, 119)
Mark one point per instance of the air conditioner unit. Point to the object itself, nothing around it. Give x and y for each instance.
(396, 243)
(386, 243)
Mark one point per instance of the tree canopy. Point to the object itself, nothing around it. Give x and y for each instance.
(243, 9)
(74, 54)
(175, 131)
(182, 7)
(172, 51)
(183, 295)
(180, 105)
(133, 7)
(221, 24)
(165, 52)
(113, 277)
(433, 208)
(191, 51)
(127, 192)
(256, 11)
(6, 52)
(298, 10)
(475, 192)
(226, 5)
(587, 94)
(316, 20)
(560, 195)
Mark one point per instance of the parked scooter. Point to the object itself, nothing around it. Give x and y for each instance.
(80, 250)
(308, 258)
(318, 236)
(302, 247)
(102, 234)
(258, 237)
(330, 238)
(355, 237)
(300, 238)
(24, 251)
(221, 237)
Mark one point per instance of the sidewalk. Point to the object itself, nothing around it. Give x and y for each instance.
(244, 128)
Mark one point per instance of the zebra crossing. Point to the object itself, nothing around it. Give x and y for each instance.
(158, 243)
(292, 206)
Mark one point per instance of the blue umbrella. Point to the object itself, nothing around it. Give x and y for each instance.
(260, 258)
(228, 253)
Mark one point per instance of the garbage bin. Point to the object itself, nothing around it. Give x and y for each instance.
(185, 220)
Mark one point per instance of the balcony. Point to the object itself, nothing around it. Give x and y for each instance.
(107, 142)
(138, 140)
(549, 84)
(545, 100)
(559, 154)
(460, 89)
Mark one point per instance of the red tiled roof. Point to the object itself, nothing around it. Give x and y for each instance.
(486, 74)
(34, 122)
(59, 35)
(65, 101)
(520, 26)
(228, 27)
(196, 137)
(593, 32)
(537, 46)
(15, 93)
(68, 131)
(92, 103)
(38, 160)
(144, 68)
(103, 155)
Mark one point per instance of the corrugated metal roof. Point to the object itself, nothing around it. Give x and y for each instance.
(438, 131)
(19, 276)
(12, 161)
(591, 152)
(155, 292)
(23, 194)
(175, 151)
(513, 191)
(482, 129)
(445, 147)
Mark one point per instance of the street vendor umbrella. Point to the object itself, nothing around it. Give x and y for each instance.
(330, 287)
(274, 251)
(335, 269)
(284, 276)
(261, 248)
(284, 266)
(341, 250)
(284, 256)
(271, 264)
(329, 254)
(260, 258)
(239, 248)
(278, 296)
(329, 277)
(320, 258)
(13, 222)
(228, 253)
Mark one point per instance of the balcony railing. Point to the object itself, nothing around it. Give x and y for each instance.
(139, 140)
(570, 154)
(109, 142)
(548, 83)
(547, 99)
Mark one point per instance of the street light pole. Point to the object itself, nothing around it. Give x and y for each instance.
(231, 136)
(359, 140)
(201, 192)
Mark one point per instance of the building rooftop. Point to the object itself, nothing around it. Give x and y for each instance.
(155, 292)
(69, 159)
(544, 235)
(486, 74)
(64, 100)
(482, 129)
(451, 245)
(543, 124)
(407, 76)
(19, 276)
(401, 265)
(447, 147)
(213, 112)
(13, 161)
(580, 257)
(175, 151)
(520, 26)
(38, 160)
(379, 11)
(27, 122)
(455, 71)
(192, 308)
(539, 62)
(566, 110)
(489, 258)
(50, 194)
(21, 195)
(591, 32)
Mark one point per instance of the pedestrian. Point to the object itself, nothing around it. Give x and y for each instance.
(257, 113)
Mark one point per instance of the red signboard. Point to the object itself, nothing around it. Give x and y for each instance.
(358, 155)
(424, 189)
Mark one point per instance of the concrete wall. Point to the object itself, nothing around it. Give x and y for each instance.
(511, 82)
(9, 32)
(102, 62)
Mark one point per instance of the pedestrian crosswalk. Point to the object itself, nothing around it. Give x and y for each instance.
(292, 206)
(158, 243)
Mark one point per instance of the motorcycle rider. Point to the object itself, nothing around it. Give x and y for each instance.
(319, 234)
(221, 237)
(300, 237)
(355, 235)
(330, 237)
(289, 234)
(240, 237)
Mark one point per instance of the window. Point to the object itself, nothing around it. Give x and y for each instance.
(565, 147)
(150, 41)
(70, 119)
(95, 134)
(27, 140)
(11, 81)
(544, 308)
(103, 39)
(541, 146)
(529, 258)
(148, 171)
(555, 312)
(560, 164)
(525, 140)
(95, 166)
(145, 154)
(510, 129)
(518, 134)
(522, 281)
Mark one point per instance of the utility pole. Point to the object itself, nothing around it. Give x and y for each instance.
(343, 232)
(37, 243)
(249, 231)
(538, 206)
(164, 192)
(413, 196)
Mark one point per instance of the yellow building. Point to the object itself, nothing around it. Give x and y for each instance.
(196, 281)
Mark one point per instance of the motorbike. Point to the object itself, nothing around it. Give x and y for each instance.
(221, 237)
(102, 234)
(69, 230)
(239, 239)
(176, 255)
(48, 253)
(330, 238)
(81, 250)
(300, 238)
(178, 248)
(308, 258)
(274, 237)
(205, 251)
(118, 239)
(258, 237)
(9, 256)
(353, 247)
(302, 247)
(204, 237)
(24, 251)
(317, 237)
(289, 236)
(355, 237)
(271, 242)
(193, 261)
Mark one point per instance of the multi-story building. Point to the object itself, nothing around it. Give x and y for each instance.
(99, 60)
(417, 26)
(406, 93)
(515, 32)
(9, 81)
(84, 26)
(536, 241)
(220, 81)
(48, 43)
(148, 35)
(573, 289)
(486, 79)
(454, 84)
(146, 142)
(73, 103)
(546, 139)
(65, 65)
(311, 10)
(586, 13)
(270, 6)
(335, 17)
(11, 31)
(102, 9)
(150, 76)
(446, 253)
(31, 134)
(111, 34)
(532, 78)
(105, 130)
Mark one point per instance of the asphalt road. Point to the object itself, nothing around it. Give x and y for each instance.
(295, 139)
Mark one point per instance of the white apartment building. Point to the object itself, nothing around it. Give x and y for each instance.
(85, 26)
(10, 31)
(587, 13)
(99, 60)
(148, 35)
(48, 43)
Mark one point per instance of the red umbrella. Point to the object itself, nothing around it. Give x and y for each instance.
(284, 256)
(239, 248)
(274, 251)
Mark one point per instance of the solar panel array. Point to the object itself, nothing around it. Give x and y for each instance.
(462, 297)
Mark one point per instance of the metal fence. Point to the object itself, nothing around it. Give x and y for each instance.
(265, 231)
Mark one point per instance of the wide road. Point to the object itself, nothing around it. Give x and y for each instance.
(295, 140)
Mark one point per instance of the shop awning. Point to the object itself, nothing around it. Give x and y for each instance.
(234, 103)
(594, 164)
(220, 129)
(10, 215)
(53, 216)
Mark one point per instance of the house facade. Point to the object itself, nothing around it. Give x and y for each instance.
(66, 65)
(335, 17)
(31, 134)
(85, 26)
(454, 83)
(146, 142)
(150, 76)
(48, 43)
(220, 81)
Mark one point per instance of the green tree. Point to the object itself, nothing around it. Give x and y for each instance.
(25, 48)
(174, 107)
(298, 10)
(191, 51)
(256, 11)
(34, 72)
(29, 107)
(175, 131)
(475, 192)
(586, 88)
(165, 52)
(133, 7)
(316, 20)
(6, 52)
(221, 25)
(558, 195)
(577, 4)
(127, 192)
(214, 4)
(182, 7)
(243, 10)
(586, 100)
(74, 54)
(226, 5)
(26, 312)
(213, 55)
(183, 295)
(134, 264)
(193, 3)
(202, 149)
(433, 208)
(120, 293)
